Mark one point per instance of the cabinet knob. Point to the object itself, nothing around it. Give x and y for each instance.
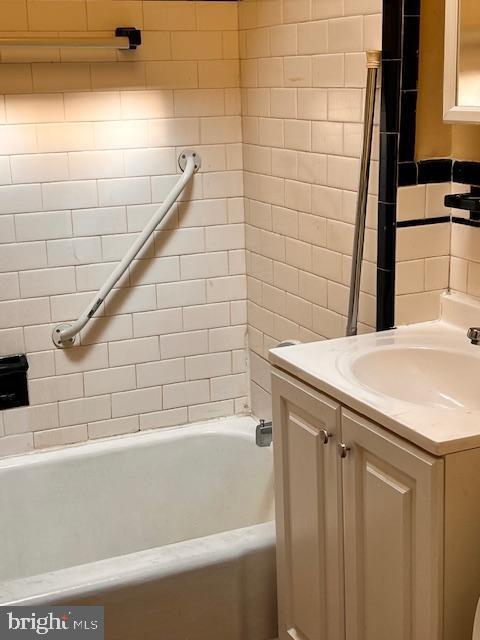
(343, 449)
(325, 436)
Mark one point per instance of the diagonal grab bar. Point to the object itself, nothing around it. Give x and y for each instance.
(64, 334)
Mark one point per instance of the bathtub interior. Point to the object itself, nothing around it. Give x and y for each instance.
(101, 500)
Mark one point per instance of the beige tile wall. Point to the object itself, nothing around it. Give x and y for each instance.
(465, 258)
(303, 78)
(88, 142)
(88, 148)
(423, 253)
(433, 259)
(464, 253)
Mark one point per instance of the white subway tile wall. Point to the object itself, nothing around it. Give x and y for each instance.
(303, 78)
(433, 259)
(88, 146)
(464, 254)
(465, 259)
(423, 261)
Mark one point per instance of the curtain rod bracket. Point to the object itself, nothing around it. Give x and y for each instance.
(134, 36)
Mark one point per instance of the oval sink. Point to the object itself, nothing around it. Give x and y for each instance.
(421, 375)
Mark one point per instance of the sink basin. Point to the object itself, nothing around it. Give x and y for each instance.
(429, 376)
(419, 381)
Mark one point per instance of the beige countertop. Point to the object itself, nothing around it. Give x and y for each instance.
(422, 383)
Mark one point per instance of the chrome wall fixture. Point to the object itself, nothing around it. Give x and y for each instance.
(125, 38)
(64, 334)
(374, 59)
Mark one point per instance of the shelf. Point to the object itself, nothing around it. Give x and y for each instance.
(466, 202)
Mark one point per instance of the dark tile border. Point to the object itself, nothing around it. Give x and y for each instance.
(439, 170)
(407, 174)
(466, 172)
(466, 221)
(387, 218)
(425, 172)
(397, 139)
(434, 171)
(423, 222)
(398, 167)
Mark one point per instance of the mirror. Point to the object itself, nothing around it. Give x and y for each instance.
(462, 61)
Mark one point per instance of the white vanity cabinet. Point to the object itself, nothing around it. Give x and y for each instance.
(308, 506)
(362, 518)
(393, 538)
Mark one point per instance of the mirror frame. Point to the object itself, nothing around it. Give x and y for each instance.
(452, 112)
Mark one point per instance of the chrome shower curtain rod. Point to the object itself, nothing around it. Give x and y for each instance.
(374, 59)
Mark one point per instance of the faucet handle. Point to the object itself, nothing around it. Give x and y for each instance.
(263, 434)
(473, 335)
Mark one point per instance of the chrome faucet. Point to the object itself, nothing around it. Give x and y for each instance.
(473, 334)
(263, 434)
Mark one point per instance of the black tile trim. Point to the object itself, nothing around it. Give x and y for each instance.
(408, 125)
(466, 172)
(434, 171)
(386, 294)
(392, 29)
(411, 8)
(387, 217)
(422, 222)
(426, 172)
(438, 170)
(390, 106)
(410, 52)
(393, 41)
(466, 221)
(398, 167)
(407, 174)
(388, 171)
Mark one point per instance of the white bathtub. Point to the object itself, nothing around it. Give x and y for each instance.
(172, 531)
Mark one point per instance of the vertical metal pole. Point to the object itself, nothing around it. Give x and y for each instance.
(373, 64)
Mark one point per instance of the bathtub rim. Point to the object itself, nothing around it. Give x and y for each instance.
(90, 576)
(139, 567)
(239, 426)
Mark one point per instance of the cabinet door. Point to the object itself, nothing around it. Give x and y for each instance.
(393, 519)
(308, 512)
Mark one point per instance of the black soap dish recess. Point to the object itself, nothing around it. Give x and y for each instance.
(466, 202)
(13, 381)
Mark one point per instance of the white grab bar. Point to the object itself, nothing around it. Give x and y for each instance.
(64, 334)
